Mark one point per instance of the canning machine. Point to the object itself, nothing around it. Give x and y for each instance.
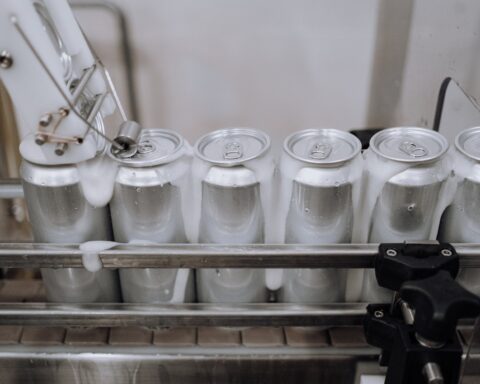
(63, 97)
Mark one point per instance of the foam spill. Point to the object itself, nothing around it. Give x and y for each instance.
(97, 179)
(274, 279)
(90, 259)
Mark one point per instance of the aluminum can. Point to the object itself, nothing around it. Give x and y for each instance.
(461, 220)
(59, 213)
(405, 207)
(231, 211)
(320, 210)
(147, 206)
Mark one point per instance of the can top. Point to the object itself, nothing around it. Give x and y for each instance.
(322, 146)
(409, 144)
(232, 146)
(468, 143)
(155, 147)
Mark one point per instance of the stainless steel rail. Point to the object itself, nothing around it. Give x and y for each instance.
(34, 255)
(178, 315)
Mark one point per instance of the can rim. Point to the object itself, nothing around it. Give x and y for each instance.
(424, 131)
(458, 142)
(330, 131)
(224, 132)
(179, 142)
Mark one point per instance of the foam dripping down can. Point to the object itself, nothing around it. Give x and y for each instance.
(231, 210)
(147, 207)
(406, 173)
(461, 221)
(318, 169)
(60, 213)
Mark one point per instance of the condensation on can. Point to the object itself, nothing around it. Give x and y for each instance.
(59, 213)
(461, 220)
(320, 209)
(405, 207)
(231, 211)
(147, 207)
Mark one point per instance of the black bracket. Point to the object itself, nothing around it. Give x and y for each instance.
(417, 333)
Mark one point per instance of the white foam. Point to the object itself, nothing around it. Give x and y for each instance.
(274, 278)
(97, 179)
(90, 259)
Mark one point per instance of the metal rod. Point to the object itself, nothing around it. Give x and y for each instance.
(124, 40)
(86, 76)
(158, 315)
(32, 255)
(25, 38)
(10, 188)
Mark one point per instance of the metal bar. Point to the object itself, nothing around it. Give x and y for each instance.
(10, 188)
(33, 255)
(86, 76)
(152, 315)
(127, 55)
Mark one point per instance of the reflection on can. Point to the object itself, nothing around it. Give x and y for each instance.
(320, 208)
(405, 207)
(461, 220)
(59, 213)
(146, 206)
(231, 211)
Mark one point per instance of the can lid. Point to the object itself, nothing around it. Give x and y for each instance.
(409, 144)
(322, 146)
(232, 146)
(468, 143)
(155, 147)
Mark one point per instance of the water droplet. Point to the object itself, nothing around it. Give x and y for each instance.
(218, 272)
(411, 207)
(337, 184)
(167, 291)
(138, 189)
(307, 210)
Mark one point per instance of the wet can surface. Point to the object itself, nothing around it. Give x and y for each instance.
(147, 206)
(461, 220)
(407, 201)
(231, 211)
(320, 207)
(59, 213)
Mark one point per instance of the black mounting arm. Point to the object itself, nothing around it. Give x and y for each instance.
(417, 333)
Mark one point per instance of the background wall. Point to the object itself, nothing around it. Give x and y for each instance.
(283, 65)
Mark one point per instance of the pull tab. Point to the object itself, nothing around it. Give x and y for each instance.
(413, 150)
(233, 151)
(146, 147)
(320, 151)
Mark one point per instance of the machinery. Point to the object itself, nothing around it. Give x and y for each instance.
(63, 96)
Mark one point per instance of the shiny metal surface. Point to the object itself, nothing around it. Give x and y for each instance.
(10, 188)
(36, 255)
(145, 207)
(167, 368)
(231, 211)
(179, 315)
(321, 209)
(59, 213)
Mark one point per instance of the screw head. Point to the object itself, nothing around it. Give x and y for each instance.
(391, 252)
(446, 252)
(6, 60)
(378, 314)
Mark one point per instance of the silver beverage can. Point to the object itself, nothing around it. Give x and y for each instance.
(320, 207)
(461, 220)
(231, 210)
(59, 213)
(405, 207)
(147, 206)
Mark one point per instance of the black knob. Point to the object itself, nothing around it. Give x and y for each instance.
(439, 302)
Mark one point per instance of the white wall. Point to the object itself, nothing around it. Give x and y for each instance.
(283, 65)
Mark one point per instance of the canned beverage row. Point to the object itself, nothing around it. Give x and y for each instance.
(228, 189)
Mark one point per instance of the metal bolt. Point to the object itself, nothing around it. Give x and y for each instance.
(40, 139)
(391, 252)
(6, 60)
(433, 373)
(45, 120)
(378, 314)
(60, 149)
(446, 252)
